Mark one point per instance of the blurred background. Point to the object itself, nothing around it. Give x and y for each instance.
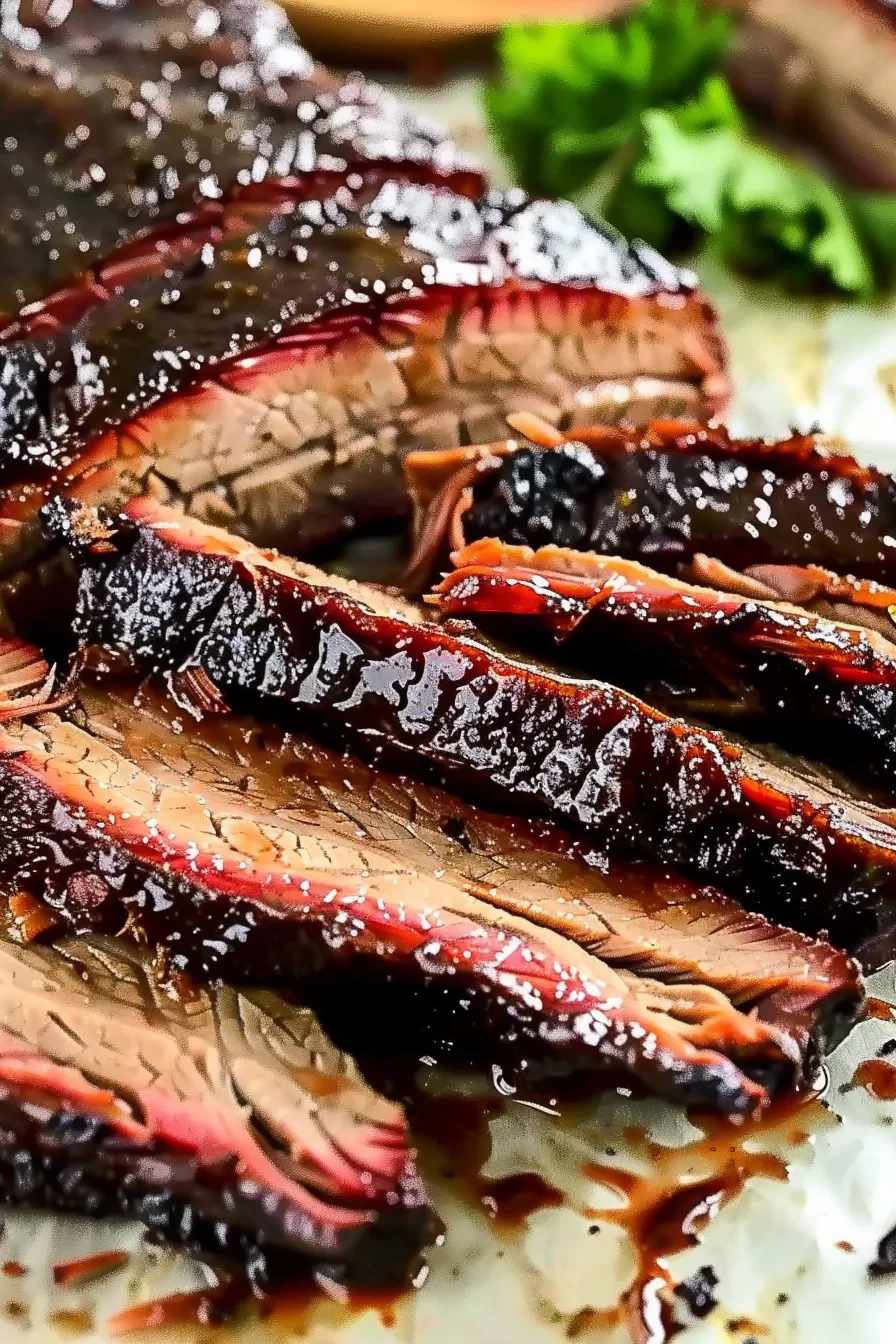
(756, 139)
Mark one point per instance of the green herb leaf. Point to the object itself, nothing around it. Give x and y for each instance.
(635, 119)
(572, 94)
(640, 211)
(691, 169)
(874, 215)
(769, 214)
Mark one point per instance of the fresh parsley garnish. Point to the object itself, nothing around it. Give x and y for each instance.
(636, 120)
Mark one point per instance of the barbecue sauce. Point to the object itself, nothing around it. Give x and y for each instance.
(587, 754)
(206, 1307)
(877, 1077)
(682, 490)
(666, 1205)
(69, 1272)
(665, 1212)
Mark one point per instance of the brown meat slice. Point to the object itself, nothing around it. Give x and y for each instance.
(222, 1119)
(249, 851)
(835, 597)
(118, 120)
(172, 594)
(660, 495)
(821, 71)
(635, 916)
(822, 686)
(275, 384)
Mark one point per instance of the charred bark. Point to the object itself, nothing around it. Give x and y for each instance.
(818, 685)
(662, 497)
(172, 594)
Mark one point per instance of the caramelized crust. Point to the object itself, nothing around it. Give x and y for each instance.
(661, 495)
(696, 649)
(224, 1120)
(173, 594)
(279, 857)
(273, 376)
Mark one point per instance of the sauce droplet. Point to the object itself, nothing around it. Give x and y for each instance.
(68, 1272)
(510, 1200)
(877, 1077)
(208, 1306)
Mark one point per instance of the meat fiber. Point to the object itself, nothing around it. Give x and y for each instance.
(825, 687)
(274, 382)
(249, 851)
(661, 496)
(837, 597)
(245, 624)
(224, 1121)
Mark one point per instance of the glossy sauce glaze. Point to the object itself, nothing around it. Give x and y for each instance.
(877, 1077)
(682, 491)
(807, 682)
(297, 844)
(439, 700)
(662, 495)
(135, 129)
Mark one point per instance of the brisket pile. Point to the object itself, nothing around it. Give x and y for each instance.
(664, 495)
(250, 289)
(240, 300)
(252, 853)
(246, 626)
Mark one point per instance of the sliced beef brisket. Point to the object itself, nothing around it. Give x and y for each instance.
(225, 1121)
(765, 664)
(250, 851)
(231, 280)
(273, 380)
(173, 594)
(662, 496)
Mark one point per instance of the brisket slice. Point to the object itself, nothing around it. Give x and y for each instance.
(248, 851)
(273, 382)
(254, 626)
(223, 1120)
(767, 664)
(661, 496)
(123, 120)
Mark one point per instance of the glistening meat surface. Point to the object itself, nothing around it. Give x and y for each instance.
(223, 1120)
(246, 851)
(812, 588)
(694, 649)
(274, 382)
(173, 594)
(126, 127)
(661, 496)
